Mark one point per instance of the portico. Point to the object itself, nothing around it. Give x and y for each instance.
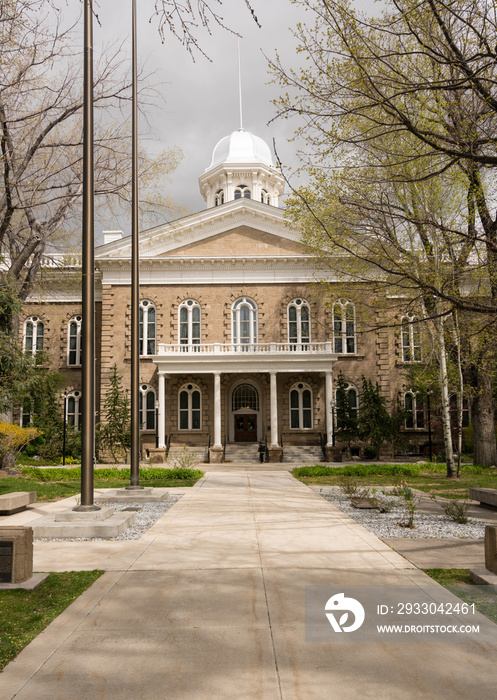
(255, 359)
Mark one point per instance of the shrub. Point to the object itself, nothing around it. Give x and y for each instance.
(404, 491)
(110, 474)
(410, 507)
(455, 510)
(12, 439)
(362, 470)
(369, 452)
(352, 489)
(381, 501)
(410, 503)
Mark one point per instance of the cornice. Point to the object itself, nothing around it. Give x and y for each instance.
(215, 270)
(259, 261)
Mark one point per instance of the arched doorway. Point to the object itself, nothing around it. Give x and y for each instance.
(245, 411)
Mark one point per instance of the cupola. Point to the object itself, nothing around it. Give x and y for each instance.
(241, 168)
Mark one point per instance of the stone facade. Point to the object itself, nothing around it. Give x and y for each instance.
(242, 268)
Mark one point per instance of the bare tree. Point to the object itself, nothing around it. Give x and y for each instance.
(184, 19)
(41, 138)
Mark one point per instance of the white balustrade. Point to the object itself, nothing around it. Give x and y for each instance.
(260, 348)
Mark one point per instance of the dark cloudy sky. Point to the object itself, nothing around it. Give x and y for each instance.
(201, 103)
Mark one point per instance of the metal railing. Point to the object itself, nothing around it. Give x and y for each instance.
(323, 444)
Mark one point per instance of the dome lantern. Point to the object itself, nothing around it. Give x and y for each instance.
(241, 168)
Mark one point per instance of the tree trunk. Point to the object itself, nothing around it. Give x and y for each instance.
(482, 414)
(460, 393)
(444, 390)
(8, 459)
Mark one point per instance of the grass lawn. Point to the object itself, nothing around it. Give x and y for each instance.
(55, 484)
(24, 614)
(459, 582)
(429, 478)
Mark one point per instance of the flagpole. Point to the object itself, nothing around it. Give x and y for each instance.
(135, 272)
(88, 282)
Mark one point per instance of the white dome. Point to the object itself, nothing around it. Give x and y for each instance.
(241, 147)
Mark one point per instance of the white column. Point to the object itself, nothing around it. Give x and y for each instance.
(217, 410)
(162, 410)
(329, 409)
(274, 411)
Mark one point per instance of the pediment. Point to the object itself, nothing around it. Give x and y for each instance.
(240, 228)
(242, 241)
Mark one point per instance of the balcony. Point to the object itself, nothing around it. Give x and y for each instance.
(245, 357)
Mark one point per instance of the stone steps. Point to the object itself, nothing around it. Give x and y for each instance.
(242, 452)
(248, 452)
(303, 453)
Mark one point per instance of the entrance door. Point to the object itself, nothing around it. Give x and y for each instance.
(246, 427)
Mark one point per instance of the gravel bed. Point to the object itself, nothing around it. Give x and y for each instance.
(426, 525)
(147, 515)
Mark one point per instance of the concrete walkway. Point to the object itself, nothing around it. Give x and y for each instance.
(209, 604)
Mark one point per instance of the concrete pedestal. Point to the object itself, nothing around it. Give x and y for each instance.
(158, 455)
(145, 495)
(274, 454)
(333, 454)
(483, 577)
(16, 554)
(491, 548)
(69, 523)
(216, 455)
(488, 576)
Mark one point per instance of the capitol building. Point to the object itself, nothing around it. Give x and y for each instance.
(238, 343)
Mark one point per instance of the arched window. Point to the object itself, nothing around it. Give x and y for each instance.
(344, 327)
(147, 407)
(265, 197)
(189, 323)
(190, 408)
(411, 340)
(347, 406)
(147, 327)
(299, 322)
(414, 411)
(33, 335)
(74, 341)
(73, 409)
(300, 406)
(244, 323)
(245, 396)
(242, 191)
(219, 198)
